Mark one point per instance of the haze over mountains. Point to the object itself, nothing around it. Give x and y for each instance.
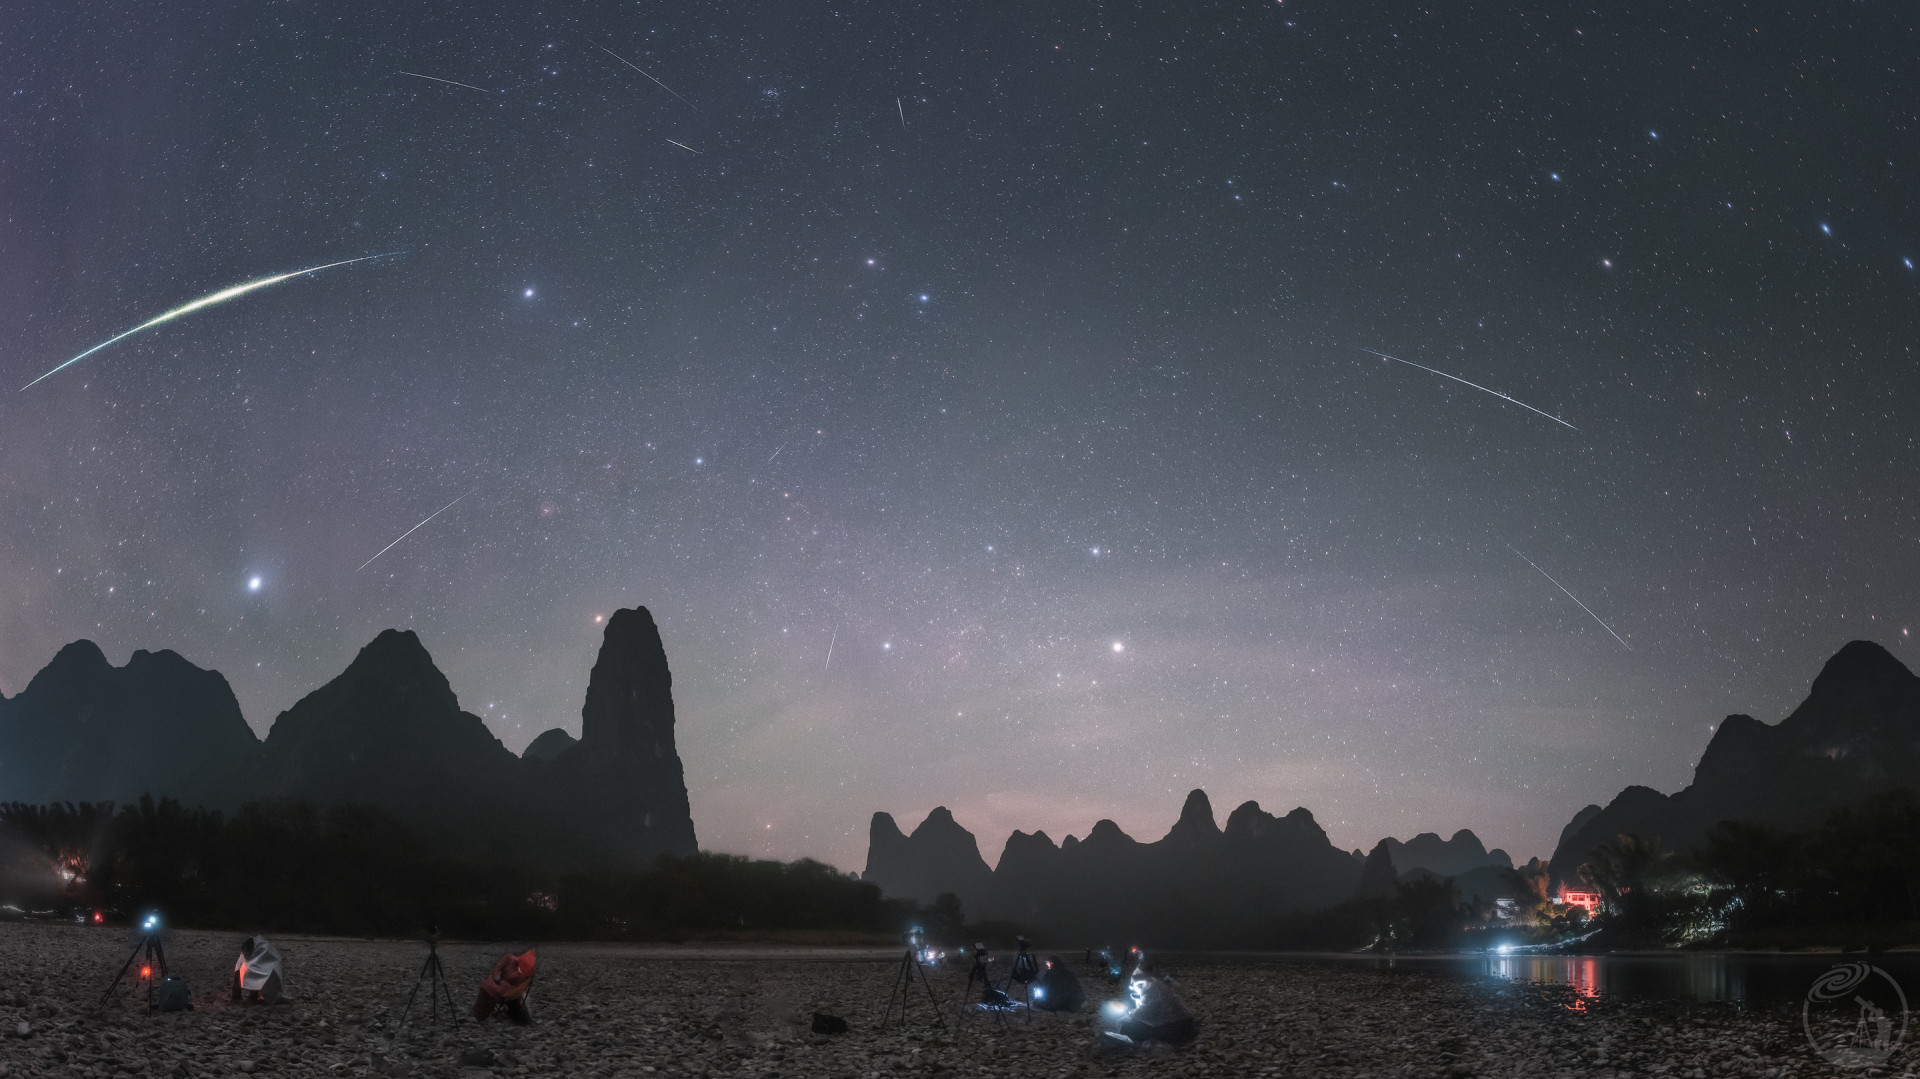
(1857, 733)
(387, 732)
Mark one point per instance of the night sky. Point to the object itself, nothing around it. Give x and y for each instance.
(1010, 352)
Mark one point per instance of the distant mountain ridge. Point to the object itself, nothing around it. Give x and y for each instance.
(1856, 734)
(1198, 883)
(387, 732)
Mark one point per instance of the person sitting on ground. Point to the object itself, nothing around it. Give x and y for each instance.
(256, 974)
(505, 988)
(1154, 1011)
(1057, 989)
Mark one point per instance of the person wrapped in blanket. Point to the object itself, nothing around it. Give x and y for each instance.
(1152, 1011)
(505, 988)
(256, 974)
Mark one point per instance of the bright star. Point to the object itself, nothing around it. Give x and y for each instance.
(1553, 175)
(923, 297)
(528, 294)
(1909, 263)
(886, 646)
(1119, 647)
(1828, 229)
(253, 585)
(1653, 134)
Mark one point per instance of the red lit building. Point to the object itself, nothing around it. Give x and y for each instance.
(1587, 901)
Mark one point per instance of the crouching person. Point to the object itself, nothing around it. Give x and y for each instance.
(505, 988)
(256, 974)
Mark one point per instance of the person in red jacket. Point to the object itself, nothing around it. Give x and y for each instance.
(505, 987)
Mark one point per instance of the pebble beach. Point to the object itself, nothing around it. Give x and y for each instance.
(708, 1011)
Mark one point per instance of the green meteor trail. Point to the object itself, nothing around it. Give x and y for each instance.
(205, 301)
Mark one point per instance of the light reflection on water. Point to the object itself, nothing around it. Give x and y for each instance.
(1751, 981)
(1764, 981)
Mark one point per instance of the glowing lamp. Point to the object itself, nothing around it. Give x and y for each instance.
(1116, 1008)
(1039, 993)
(146, 972)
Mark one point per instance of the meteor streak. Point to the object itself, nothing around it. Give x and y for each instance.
(1475, 385)
(903, 113)
(205, 301)
(449, 82)
(685, 147)
(830, 640)
(1572, 597)
(656, 82)
(417, 528)
(776, 453)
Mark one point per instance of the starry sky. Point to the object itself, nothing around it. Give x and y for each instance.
(975, 392)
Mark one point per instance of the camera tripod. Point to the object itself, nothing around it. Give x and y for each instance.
(436, 978)
(153, 966)
(993, 1000)
(1023, 970)
(902, 986)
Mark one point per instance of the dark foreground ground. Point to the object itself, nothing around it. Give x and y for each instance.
(606, 1010)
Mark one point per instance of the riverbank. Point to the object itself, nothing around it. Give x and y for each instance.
(607, 1010)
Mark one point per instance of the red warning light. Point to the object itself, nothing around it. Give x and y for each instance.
(146, 972)
(98, 917)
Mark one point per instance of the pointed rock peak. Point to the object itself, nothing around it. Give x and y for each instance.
(74, 668)
(394, 650)
(1303, 815)
(82, 656)
(1248, 820)
(1069, 843)
(940, 822)
(1465, 838)
(1861, 665)
(1105, 831)
(883, 826)
(1196, 817)
(628, 713)
(549, 746)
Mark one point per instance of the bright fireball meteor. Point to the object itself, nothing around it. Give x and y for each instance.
(205, 301)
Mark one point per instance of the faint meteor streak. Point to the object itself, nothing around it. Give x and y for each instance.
(656, 82)
(1475, 385)
(417, 528)
(1572, 597)
(776, 453)
(449, 82)
(685, 147)
(205, 301)
(830, 640)
(903, 113)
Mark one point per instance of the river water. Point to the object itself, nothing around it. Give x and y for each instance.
(1748, 980)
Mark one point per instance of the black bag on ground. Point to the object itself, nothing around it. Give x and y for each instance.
(173, 995)
(828, 1024)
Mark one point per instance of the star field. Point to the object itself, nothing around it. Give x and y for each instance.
(1038, 399)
